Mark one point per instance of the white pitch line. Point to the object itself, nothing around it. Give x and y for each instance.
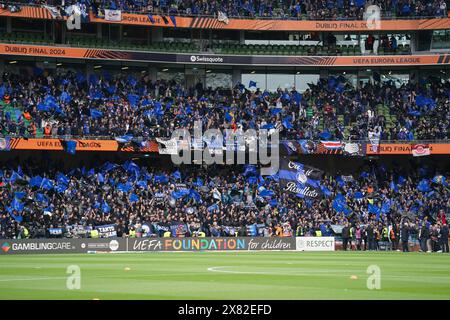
(326, 273)
(32, 279)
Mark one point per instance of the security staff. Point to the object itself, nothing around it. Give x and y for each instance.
(132, 233)
(444, 237)
(345, 235)
(94, 234)
(404, 235)
(300, 232)
(26, 233)
(385, 234)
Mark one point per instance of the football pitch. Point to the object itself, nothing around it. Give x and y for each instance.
(227, 275)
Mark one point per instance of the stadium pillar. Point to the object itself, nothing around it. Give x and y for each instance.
(414, 76)
(99, 30)
(323, 73)
(157, 35)
(237, 76)
(153, 73)
(8, 25)
(2, 66)
(89, 69)
(241, 36)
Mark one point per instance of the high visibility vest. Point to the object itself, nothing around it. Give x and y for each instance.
(47, 131)
(27, 115)
(201, 235)
(94, 233)
(167, 234)
(392, 234)
(300, 231)
(25, 232)
(132, 234)
(385, 232)
(318, 233)
(32, 129)
(351, 232)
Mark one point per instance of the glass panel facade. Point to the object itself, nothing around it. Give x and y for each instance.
(302, 80)
(259, 78)
(441, 39)
(283, 81)
(219, 80)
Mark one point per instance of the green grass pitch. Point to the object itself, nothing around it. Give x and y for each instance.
(227, 275)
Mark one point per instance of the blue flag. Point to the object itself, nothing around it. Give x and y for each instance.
(176, 175)
(213, 207)
(423, 186)
(105, 207)
(46, 184)
(267, 193)
(95, 114)
(134, 198)
(35, 181)
(174, 20)
(100, 178)
(62, 178)
(393, 186)
(142, 184)
(287, 122)
(41, 197)
(161, 179)
(124, 187)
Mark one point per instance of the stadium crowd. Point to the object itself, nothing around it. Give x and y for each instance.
(69, 104)
(223, 201)
(311, 9)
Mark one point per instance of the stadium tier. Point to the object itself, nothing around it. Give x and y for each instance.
(356, 92)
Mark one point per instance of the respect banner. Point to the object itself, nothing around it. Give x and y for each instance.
(315, 244)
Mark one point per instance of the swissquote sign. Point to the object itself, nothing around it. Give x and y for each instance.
(50, 246)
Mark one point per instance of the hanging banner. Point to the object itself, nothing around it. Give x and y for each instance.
(113, 15)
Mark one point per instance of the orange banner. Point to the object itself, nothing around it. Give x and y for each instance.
(55, 144)
(249, 24)
(82, 145)
(404, 148)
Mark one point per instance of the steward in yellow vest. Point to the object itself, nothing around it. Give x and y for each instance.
(94, 233)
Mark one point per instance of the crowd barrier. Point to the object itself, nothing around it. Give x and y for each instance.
(83, 245)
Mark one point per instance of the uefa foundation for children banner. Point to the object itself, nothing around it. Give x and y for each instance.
(104, 245)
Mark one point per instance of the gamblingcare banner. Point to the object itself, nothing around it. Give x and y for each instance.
(56, 246)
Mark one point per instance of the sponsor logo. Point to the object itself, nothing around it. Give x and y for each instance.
(6, 247)
(206, 59)
(114, 245)
(41, 246)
